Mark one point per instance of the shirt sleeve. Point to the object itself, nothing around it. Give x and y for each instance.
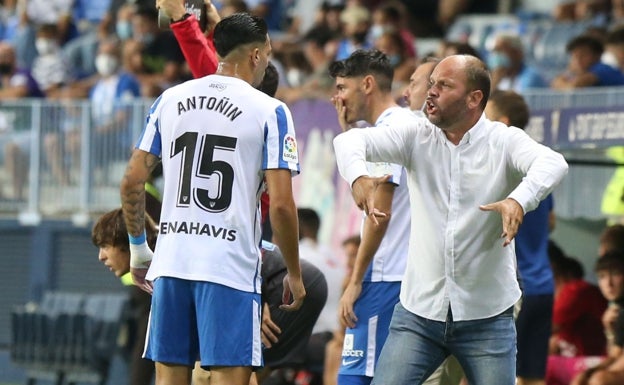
(280, 147)
(199, 51)
(543, 168)
(356, 146)
(150, 139)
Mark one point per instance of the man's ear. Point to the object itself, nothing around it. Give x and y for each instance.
(255, 56)
(368, 84)
(474, 98)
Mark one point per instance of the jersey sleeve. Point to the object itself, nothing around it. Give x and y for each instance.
(150, 139)
(280, 144)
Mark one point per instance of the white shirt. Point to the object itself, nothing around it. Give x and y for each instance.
(215, 135)
(334, 271)
(456, 255)
(388, 264)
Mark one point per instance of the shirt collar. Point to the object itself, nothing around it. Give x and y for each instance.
(473, 134)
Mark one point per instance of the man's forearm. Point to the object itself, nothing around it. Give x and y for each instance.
(285, 230)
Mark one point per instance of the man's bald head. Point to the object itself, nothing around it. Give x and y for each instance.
(475, 72)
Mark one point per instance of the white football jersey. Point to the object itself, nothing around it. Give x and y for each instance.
(215, 136)
(389, 262)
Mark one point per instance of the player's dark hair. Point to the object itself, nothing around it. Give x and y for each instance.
(309, 221)
(236, 30)
(612, 238)
(594, 44)
(110, 230)
(270, 81)
(365, 62)
(611, 261)
(512, 105)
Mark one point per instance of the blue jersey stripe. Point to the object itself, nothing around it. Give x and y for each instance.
(265, 149)
(156, 147)
(282, 127)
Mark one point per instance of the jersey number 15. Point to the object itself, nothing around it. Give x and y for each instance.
(213, 200)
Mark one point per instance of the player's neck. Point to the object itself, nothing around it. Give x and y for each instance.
(380, 106)
(234, 69)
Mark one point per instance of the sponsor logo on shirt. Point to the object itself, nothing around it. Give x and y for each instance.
(290, 149)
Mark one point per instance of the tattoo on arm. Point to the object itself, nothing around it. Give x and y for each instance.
(139, 168)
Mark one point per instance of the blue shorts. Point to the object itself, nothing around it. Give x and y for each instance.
(226, 334)
(363, 343)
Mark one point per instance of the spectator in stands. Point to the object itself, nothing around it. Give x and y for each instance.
(272, 11)
(33, 15)
(534, 320)
(111, 136)
(390, 17)
(403, 65)
(230, 7)
(578, 341)
(577, 312)
(162, 58)
(110, 97)
(329, 15)
(15, 83)
(334, 270)
(80, 52)
(50, 69)
(610, 273)
(112, 24)
(611, 239)
(614, 48)
(355, 21)
(584, 67)
(577, 10)
(449, 10)
(449, 48)
(508, 68)
(300, 12)
(317, 84)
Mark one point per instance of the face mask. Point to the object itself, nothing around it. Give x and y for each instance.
(105, 64)
(498, 60)
(124, 30)
(609, 59)
(394, 60)
(377, 30)
(147, 38)
(45, 46)
(6, 68)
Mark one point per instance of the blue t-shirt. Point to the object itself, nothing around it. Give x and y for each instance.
(607, 75)
(532, 250)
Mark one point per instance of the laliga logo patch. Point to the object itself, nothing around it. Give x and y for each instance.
(290, 149)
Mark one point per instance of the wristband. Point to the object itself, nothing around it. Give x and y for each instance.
(140, 253)
(137, 240)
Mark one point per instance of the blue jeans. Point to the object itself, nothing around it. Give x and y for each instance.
(416, 346)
